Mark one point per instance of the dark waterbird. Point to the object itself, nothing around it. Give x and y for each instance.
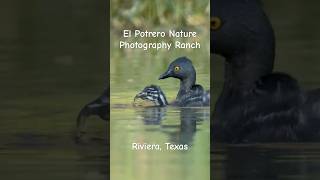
(98, 107)
(190, 94)
(256, 104)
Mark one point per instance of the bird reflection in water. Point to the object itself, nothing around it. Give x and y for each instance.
(152, 115)
(181, 133)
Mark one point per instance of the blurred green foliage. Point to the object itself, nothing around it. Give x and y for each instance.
(163, 13)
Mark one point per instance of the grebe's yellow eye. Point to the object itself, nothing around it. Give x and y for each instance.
(177, 68)
(215, 23)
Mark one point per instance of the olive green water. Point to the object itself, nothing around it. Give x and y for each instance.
(53, 62)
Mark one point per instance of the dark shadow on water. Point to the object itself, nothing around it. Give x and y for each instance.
(31, 140)
(100, 158)
(265, 162)
(38, 154)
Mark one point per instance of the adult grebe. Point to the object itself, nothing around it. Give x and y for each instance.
(255, 105)
(190, 94)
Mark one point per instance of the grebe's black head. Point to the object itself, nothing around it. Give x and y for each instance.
(181, 68)
(243, 35)
(240, 26)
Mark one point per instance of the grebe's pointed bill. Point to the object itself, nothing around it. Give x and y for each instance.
(165, 75)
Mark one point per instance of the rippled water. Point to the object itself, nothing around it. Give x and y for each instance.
(266, 161)
(187, 126)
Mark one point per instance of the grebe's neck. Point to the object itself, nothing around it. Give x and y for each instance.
(186, 84)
